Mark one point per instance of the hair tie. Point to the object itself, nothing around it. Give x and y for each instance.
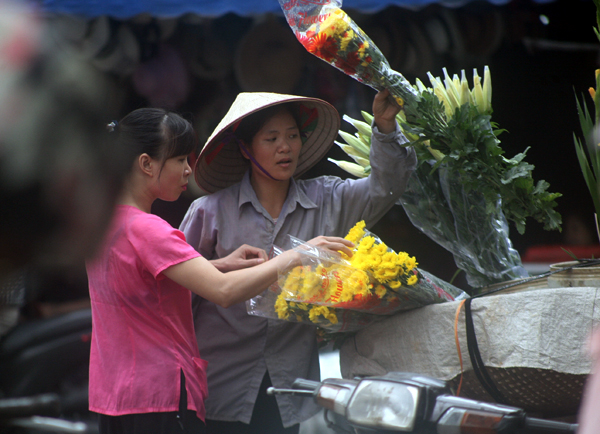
(111, 127)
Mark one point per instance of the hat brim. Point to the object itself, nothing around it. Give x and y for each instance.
(221, 164)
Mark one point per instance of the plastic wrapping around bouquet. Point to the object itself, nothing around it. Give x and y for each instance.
(461, 222)
(329, 280)
(327, 291)
(329, 33)
(263, 305)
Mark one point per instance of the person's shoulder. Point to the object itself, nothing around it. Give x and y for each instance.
(218, 197)
(318, 183)
(139, 221)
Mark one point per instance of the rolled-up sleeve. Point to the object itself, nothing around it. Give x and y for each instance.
(369, 198)
(392, 163)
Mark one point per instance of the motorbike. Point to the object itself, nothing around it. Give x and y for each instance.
(44, 367)
(413, 403)
(37, 414)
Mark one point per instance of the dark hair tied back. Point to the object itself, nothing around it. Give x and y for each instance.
(157, 132)
(111, 127)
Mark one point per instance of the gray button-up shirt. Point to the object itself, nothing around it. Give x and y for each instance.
(239, 347)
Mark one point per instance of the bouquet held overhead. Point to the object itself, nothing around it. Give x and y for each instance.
(463, 195)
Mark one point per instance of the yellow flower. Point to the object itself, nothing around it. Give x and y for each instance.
(395, 284)
(390, 257)
(312, 283)
(379, 249)
(317, 311)
(335, 24)
(293, 282)
(346, 39)
(281, 307)
(380, 291)
(412, 279)
(385, 274)
(366, 243)
(357, 232)
(411, 263)
(363, 48)
(373, 260)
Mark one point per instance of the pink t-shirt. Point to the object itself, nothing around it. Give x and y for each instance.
(143, 331)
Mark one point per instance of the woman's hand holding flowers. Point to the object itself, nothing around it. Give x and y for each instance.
(334, 244)
(385, 110)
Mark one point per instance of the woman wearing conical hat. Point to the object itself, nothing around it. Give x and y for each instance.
(250, 166)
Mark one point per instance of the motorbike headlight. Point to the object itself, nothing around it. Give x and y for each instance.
(334, 396)
(383, 404)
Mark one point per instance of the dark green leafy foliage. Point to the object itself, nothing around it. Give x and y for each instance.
(471, 148)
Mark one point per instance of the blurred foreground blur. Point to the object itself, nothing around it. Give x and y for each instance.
(59, 175)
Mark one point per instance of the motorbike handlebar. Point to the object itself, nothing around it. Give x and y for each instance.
(533, 424)
(304, 384)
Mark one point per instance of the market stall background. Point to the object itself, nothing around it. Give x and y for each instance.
(208, 8)
(194, 57)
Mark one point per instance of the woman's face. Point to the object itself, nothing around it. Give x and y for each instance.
(276, 147)
(173, 178)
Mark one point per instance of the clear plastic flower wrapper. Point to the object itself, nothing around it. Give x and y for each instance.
(461, 221)
(338, 293)
(326, 31)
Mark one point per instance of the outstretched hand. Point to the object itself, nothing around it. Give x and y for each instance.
(244, 256)
(385, 110)
(334, 244)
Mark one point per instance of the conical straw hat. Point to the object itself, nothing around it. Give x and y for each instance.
(221, 163)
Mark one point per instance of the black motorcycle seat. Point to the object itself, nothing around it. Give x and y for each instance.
(41, 330)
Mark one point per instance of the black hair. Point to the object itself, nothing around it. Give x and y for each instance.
(252, 123)
(157, 132)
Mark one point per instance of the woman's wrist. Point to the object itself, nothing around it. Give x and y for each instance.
(385, 126)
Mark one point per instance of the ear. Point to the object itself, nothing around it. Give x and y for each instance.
(146, 164)
(244, 149)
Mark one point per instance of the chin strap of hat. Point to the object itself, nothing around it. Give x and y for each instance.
(229, 136)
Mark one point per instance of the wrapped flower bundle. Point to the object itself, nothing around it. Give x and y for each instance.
(329, 33)
(345, 294)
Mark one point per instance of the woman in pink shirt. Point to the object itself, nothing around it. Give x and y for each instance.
(146, 375)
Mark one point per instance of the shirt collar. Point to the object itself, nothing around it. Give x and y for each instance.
(295, 194)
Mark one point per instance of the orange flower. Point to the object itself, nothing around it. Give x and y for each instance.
(322, 46)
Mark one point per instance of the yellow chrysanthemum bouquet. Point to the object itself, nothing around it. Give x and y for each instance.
(340, 293)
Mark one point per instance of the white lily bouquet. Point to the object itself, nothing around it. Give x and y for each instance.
(465, 191)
